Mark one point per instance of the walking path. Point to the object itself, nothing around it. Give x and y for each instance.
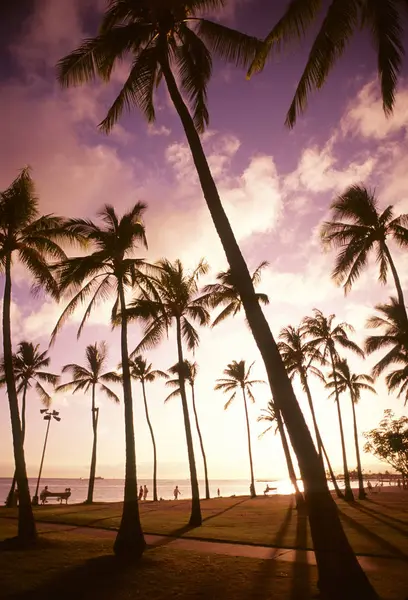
(368, 563)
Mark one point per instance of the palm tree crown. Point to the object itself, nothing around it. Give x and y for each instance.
(394, 336)
(28, 364)
(225, 293)
(297, 354)
(83, 378)
(111, 266)
(141, 370)
(156, 36)
(358, 228)
(268, 415)
(343, 19)
(190, 370)
(325, 336)
(173, 295)
(347, 381)
(398, 379)
(237, 377)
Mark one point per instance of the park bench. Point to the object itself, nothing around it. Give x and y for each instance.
(59, 495)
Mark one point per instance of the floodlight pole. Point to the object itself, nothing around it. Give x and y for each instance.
(47, 417)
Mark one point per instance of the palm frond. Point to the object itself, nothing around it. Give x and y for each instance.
(111, 395)
(229, 44)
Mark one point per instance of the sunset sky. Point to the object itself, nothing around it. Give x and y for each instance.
(276, 185)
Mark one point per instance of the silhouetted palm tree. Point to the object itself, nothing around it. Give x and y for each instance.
(225, 293)
(326, 337)
(398, 379)
(343, 18)
(354, 384)
(111, 267)
(175, 299)
(271, 415)
(28, 363)
(160, 42)
(298, 358)
(88, 378)
(142, 371)
(237, 378)
(34, 240)
(190, 374)
(358, 228)
(394, 336)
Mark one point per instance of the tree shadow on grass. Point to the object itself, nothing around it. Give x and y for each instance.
(270, 568)
(383, 518)
(206, 519)
(301, 571)
(385, 544)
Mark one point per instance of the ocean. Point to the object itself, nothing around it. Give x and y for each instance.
(111, 490)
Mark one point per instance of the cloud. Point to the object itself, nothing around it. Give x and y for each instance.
(365, 116)
(153, 130)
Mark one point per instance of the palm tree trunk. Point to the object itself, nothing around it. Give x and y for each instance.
(300, 501)
(195, 517)
(95, 417)
(361, 491)
(322, 449)
(26, 524)
(339, 571)
(130, 540)
(10, 497)
(397, 281)
(207, 486)
(253, 492)
(348, 495)
(155, 498)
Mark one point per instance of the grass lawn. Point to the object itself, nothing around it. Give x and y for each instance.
(67, 565)
(378, 526)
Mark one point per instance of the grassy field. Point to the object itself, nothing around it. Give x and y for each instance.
(378, 526)
(69, 565)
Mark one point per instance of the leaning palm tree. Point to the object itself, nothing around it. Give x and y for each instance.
(325, 337)
(28, 364)
(358, 228)
(111, 267)
(175, 299)
(142, 371)
(384, 21)
(34, 239)
(272, 416)
(298, 358)
(225, 293)
(354, 384)
(190, 374)
(393, 338)
(159, 40)
(238, 378)
(89, 377)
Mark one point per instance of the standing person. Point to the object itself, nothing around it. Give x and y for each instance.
(218, 492)
(145, 492)
(176, 492)
(140, 493)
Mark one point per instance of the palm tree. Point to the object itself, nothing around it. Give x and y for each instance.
(398, 379)
(88, 378)
(159, 40)
(354, 384)
(237, 377)
(358, 228)
(190, 374)
(343, 19)
(325, 338)
(175, 299)
(298, 357)
(271, 415)
(142, 371)
(112, 267)
(226, 293)
(28, 363)
(394, 335)
(34, 239)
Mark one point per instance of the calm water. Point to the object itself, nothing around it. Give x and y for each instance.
(111, 490)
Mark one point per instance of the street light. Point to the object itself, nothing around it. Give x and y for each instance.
(48, 416)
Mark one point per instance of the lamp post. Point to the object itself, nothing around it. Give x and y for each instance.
(48, 416)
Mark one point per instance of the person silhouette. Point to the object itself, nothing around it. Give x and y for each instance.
(140, 492)
(176, 492)
(145, 492)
